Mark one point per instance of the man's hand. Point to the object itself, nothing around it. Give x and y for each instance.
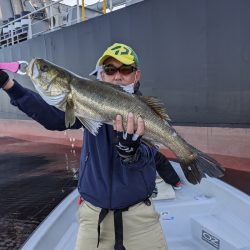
(5, 82)
(128, 141)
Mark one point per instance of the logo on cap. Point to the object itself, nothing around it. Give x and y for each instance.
(121, 52)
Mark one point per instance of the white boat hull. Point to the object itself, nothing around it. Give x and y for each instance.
(211, 215)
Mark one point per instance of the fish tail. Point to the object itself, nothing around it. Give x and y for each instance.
(200, 166)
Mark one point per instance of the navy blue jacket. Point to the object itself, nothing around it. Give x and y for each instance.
(104, 179)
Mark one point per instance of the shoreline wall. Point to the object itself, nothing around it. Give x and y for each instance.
(234, 142)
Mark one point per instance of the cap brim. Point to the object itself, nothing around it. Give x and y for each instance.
(119, 58)
(93, 73)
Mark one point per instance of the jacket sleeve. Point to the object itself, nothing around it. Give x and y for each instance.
(35, 107)
(165, 169)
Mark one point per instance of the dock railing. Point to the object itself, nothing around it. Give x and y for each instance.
(53, 16)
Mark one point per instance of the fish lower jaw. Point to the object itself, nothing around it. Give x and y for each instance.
(29, 68)
(35, 72)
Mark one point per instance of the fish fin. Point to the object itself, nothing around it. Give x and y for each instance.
(69, 113)
(90, 125)
(201, 166)
(157, 106)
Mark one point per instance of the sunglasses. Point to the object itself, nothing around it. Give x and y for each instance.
(124, 69)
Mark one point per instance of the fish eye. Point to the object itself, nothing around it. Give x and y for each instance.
(44, 68)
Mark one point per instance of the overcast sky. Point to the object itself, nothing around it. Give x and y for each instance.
(87, 2)
(73, 2)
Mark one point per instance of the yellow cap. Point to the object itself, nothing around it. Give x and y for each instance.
(120, 52)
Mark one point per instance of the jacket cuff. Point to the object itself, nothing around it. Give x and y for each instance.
(132, 159)
(17, 91)
(145, 156)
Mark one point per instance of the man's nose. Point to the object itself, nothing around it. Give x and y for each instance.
(118, 76)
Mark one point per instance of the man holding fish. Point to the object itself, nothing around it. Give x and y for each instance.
(117, 172)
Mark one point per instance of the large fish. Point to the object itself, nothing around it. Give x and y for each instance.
(95, 103)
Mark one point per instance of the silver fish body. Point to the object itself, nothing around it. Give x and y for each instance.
(95, 103)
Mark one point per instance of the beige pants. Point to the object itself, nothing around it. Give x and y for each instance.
(141, 229)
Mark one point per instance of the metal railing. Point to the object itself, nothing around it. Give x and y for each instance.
(27, 26)
(53, 16)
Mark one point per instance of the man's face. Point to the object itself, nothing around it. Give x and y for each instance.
(119, 78)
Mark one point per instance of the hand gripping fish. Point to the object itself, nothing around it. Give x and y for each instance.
(95, 103)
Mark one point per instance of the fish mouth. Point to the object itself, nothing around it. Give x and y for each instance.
(32, 70)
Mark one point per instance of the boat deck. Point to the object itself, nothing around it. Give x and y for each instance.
(206, 216)
(211, 215)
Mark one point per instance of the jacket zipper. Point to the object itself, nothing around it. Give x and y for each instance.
(84, 165)
(86, 158)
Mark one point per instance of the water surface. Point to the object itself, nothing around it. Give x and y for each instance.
(34, 178)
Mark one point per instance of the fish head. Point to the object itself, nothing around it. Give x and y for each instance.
(51, 81)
